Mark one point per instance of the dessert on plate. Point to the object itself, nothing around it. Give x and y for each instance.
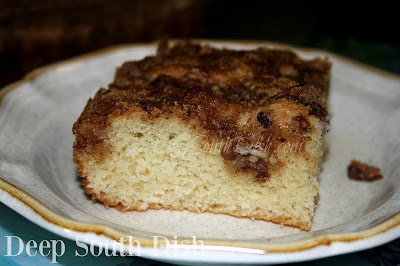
(203, 129)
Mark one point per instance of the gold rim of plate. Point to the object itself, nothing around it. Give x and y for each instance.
(300, 245)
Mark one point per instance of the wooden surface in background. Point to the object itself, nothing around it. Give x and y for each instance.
(35, 33)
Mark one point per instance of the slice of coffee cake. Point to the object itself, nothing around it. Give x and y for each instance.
(207, 130)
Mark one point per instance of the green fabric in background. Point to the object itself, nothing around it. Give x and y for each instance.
(366, 33)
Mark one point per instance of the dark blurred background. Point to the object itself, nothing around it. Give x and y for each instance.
(35, 33)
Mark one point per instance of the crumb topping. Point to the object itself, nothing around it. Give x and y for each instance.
(230, 94)
(363, 172)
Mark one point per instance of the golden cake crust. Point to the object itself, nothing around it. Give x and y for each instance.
(212, 209)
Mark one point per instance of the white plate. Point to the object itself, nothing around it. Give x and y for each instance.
(39, 180)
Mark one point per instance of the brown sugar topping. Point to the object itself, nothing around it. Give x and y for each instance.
(363, 172)
(211, 89)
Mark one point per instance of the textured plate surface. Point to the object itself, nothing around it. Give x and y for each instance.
(39, 180)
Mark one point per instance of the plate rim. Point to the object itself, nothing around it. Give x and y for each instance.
(115, 234)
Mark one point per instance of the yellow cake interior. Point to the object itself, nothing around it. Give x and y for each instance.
(166, 163)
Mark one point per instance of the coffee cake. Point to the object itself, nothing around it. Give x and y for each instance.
(208, 130)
